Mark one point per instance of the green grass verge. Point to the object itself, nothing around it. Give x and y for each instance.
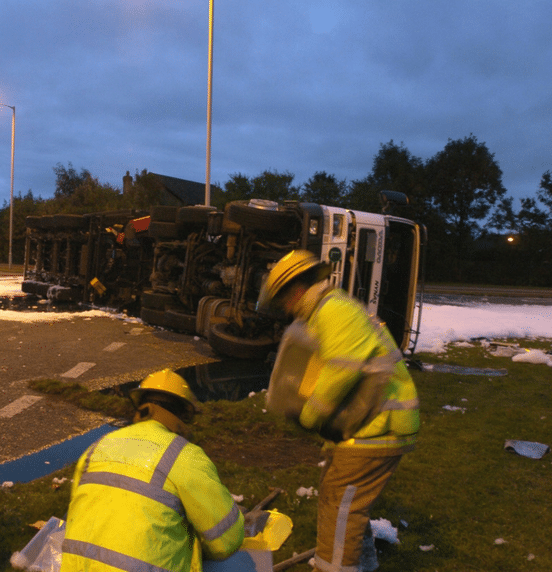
(459, 492)
(111, 405)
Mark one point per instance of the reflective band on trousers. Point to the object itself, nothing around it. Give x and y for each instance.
(108, 557)
(339, 537)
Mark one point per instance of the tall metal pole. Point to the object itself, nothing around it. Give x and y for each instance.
(12, 107)
(209, 105)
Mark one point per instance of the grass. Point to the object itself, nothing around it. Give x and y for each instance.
(459, 491)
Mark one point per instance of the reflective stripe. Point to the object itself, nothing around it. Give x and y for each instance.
(324, 566)
(152, 490)
(339, 537)
(167, 461)
(133, 485)
(341, 525)
(225, 524)
(373, 365)
(395, 405)
(394, 443)
(108, 557)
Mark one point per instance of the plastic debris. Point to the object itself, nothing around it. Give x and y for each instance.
(527, 448)
(500, 541)
(384, 530)
(533, 356)
(427, 548)
(7, 484)
(304, 492)
(454, 408)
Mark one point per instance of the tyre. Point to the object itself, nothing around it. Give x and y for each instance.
(163, 230)
(163, 213)
(260, 219)
(157, 300)
(28, 287)
(32, 221)
(194, 215)
(180, 321)
(224, 342)
(45, 222)
(152, 317)
(69, 221)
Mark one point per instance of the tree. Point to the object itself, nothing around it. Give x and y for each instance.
(146, 190)
(324, 189)
(23, 206)
(394, 169)
(464, 181)
(274, 186)
(268, 185)
(68, 180)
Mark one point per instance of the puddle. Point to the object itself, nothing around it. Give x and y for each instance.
(232, 380)
(51, 459)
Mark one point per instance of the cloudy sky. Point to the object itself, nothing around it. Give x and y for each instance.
(298, 85)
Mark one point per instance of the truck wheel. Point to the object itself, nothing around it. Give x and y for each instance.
(45, 222)
(194, 215)
(32, 221)
(180, 321)
(152, 317)
(163, 230)
(28, 287)
(157, 300)
(163, 213)
(226, 343)
(259, 219)
(69, 221)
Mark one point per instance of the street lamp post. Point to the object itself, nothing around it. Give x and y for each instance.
(209, 105)
(12, 107)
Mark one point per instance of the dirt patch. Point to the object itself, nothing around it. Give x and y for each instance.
(270, 453)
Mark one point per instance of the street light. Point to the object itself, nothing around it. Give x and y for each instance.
(209, 106)
(12, 107)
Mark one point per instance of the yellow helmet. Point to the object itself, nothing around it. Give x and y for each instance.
(167, 382)
(287, 269)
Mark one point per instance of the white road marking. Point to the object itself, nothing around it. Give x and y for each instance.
(114, 346)
(79, 369)
(18, 405)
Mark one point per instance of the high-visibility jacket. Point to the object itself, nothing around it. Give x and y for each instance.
(146, 499)
(347, 341)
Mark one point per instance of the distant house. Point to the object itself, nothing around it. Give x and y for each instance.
(178, 192)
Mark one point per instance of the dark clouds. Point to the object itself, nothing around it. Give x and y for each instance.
(112, 86)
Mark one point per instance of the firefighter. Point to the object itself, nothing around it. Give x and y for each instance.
(145, 498)
(362, 400)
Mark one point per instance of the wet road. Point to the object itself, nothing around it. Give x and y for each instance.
(96, 352)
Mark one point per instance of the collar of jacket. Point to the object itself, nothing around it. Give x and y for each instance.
(153, 411)
(306, 305)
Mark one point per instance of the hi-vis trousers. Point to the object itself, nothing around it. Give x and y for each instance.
(350, 483)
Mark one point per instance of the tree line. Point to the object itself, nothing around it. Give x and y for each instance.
(476, 235)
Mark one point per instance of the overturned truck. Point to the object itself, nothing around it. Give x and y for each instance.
(199, 270)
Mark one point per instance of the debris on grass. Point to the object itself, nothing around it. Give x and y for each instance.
(527, 448)
(304, 492)
(384, 530)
